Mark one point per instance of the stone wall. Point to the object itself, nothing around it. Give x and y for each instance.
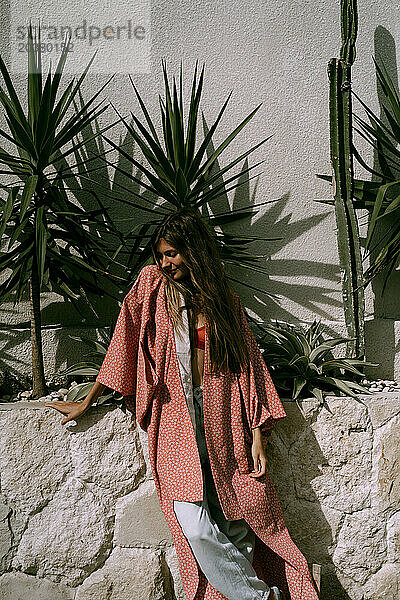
(80, 517)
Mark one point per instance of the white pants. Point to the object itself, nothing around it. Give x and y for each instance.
(223, 549)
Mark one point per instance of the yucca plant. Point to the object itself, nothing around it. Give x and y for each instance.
(301, 362)
(382, 196)
(47, 240)
(181, 172)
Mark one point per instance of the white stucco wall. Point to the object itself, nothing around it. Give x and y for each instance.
(276, 53)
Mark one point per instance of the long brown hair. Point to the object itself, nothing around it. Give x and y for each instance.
(206, 290)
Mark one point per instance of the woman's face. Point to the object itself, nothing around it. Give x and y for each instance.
(170, 260)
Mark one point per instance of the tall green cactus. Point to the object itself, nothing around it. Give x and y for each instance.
(340, 112)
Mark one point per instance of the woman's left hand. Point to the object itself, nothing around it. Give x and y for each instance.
(258, 454)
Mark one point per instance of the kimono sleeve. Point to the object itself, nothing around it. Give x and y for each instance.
(118, 370)
(262, 403)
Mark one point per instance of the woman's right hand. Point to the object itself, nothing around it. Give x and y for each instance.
(73, 410)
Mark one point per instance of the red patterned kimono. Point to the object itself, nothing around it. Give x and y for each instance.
(142, 364)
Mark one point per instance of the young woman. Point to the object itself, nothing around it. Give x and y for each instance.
(186, 361)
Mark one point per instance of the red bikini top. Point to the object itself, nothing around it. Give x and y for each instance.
(199, 337)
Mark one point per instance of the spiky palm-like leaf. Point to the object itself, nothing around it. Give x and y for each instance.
(302, 364)
(380, 197)
(37, 219)
(89, 368)
(179, 171)
(47, 240)
(384, 198)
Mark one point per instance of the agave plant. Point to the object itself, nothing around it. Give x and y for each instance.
(47, 240)
(382, 196)
(182, 174)
(89, 368)
(302, 364)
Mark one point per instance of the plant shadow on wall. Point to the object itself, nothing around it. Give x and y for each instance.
(123, 195)
(232, 225)
(181, 175)
(264, 292)
(178, 173)
(301, 361)
(184, 176)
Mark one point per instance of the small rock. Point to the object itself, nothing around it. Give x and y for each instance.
(63, 391)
